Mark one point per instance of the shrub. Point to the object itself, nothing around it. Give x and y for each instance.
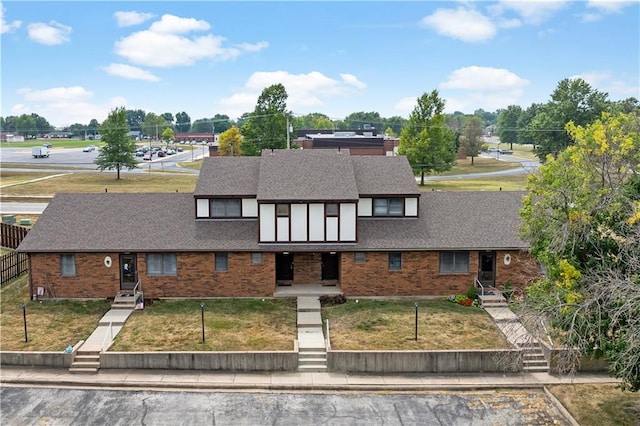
(472, 292)
(338, 299)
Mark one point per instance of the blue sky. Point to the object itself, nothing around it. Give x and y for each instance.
(74, 61)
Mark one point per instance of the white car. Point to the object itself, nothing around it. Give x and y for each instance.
(89, 148)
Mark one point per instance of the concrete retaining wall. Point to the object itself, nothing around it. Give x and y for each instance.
(476, 361)
(37, 359)
(222, 361)
(587, 365)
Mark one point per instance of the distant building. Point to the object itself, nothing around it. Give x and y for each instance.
(359, 142)
(11, 137)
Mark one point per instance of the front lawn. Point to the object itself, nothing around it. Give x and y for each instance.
(51, 325)
(390, 325)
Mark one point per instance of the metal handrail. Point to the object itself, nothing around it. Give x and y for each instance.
(327, 339)
(479, 284)
(135, 288)
(109, 334)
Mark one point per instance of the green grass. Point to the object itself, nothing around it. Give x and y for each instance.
(230, 325)
(56, 143)
(51, 325)
(390, 325)
(98, 182)
(480, 165)
(506, 183)
(599, 404)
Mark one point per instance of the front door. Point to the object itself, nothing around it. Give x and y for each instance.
(487, 269)
(128, 274)
(329, 266)
(284, 267)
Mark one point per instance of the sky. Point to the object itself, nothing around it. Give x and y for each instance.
(74, 61)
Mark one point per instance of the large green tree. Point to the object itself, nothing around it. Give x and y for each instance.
(471, 141)
(266, 126)
(118, 149)
(508, 124)
(135, 119)
(582, 220)
(573, 100)
(183, 122)
(221, 123)
(425, 139)
(153, 125)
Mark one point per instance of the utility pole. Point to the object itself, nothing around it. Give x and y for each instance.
(288, 133)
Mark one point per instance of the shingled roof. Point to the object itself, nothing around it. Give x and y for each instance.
(228, 176)
(109, 222)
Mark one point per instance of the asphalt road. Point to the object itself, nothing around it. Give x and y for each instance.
(38, 406)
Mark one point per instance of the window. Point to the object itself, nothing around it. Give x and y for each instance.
(395, 261)
(68, 265)
(161, 264)
(225, 207)
(454, 262)
(282, 210)
(256, 258)
(222, 262)
(388, 206)
(359, 257)
(331, 209)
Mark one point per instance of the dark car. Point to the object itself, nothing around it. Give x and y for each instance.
(162, 154)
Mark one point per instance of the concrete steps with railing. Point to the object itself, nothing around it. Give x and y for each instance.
(126, 300)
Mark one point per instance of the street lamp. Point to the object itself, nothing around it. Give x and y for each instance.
(416, 304)
(202, 314)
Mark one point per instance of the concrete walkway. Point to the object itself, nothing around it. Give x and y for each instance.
(214, 380)
(108, 327)
(516, 334)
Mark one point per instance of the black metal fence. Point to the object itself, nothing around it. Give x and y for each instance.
(12, 265)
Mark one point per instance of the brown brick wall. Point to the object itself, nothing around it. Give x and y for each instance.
(195, 276)
(307, 268)
(420, 274)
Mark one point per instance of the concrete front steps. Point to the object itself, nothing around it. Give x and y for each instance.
(312, 352)
(87, 359)
(533, 359)
(492, 298)
(124, 300)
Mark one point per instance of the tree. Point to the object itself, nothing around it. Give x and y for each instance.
(168, 117)
(168, 136)
(154, 125)
(266, 127)
(425, 140)
(93, 126)
(315, 121)
(582, 220)
(221, 123)
(118, 150)
(135, 119)
(525, 136)
(472, 137)
(202, 125)
(508, 125)
(358, 120)
(183, 122)
(26, 125)
(573, 100)
(229, 142)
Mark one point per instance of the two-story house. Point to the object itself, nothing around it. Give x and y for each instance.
(359, 224)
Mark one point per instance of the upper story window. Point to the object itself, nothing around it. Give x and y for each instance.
(282, 210)
(331, 210)
(226, 207)
(388, 206)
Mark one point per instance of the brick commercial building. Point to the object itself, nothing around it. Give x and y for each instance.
(356, 224)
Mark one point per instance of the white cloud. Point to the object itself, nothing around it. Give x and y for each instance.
(600, 8)
(7, 27)
(532, 11)
(472, 101)
(462, 23)
(131, 18)
(171, 24)
(616, 87)
(405, 105)
(50, 34)
(63, 106)
(55, 94)
(483, 78)
(304, 90)
(130, 72)
(255, 47)
(167, 44)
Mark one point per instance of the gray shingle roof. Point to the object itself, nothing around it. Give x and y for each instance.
(109, 222)
(228, 176)
(378, 175)
(306, 175)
